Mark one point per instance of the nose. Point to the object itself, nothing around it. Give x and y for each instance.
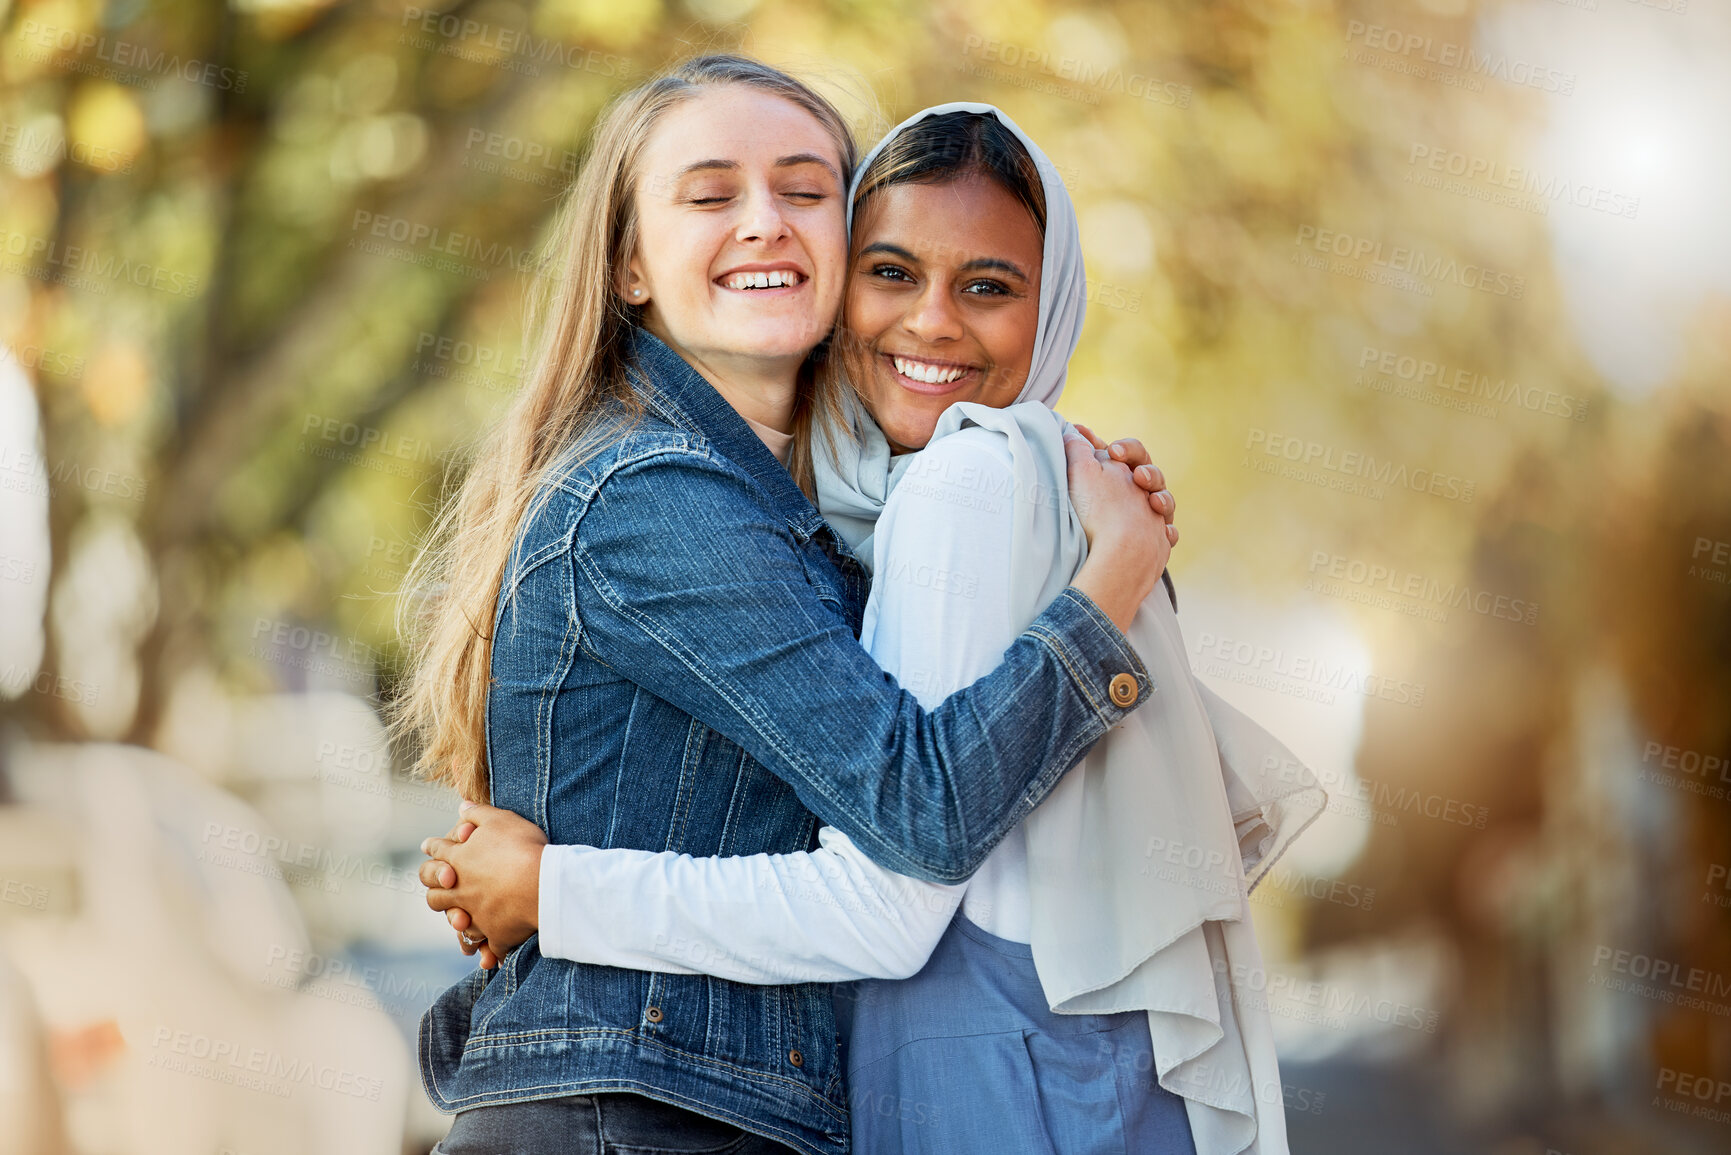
(933, 316)
(760, 219)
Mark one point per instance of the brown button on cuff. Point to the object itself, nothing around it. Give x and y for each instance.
(1123, 690)
(796, 1058)
(653, 1014)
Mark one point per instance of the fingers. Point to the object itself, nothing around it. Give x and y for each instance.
(437, 847)
(458, 918)
(442, 900)
(1163, 503)
(1149, 476)
(1093, 438)
(1171, 535)
(436, 875)
(479, 812)
(489, 957)
(1130, 451)
(1077, 452)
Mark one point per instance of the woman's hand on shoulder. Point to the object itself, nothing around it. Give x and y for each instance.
(1150, 478)
(1128, 541)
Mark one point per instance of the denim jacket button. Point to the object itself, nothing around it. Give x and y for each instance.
(1123, 690)
(653, 1014)
(796, 1058)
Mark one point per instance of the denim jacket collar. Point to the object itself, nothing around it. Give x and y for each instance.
(681, 394)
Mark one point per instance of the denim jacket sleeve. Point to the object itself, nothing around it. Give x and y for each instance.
(685, 584)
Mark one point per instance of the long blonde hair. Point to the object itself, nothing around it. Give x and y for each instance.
(580, 327)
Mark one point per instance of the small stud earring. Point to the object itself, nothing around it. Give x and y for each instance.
(636, 292)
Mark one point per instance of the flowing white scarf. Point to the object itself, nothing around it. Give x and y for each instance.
(1141, 860)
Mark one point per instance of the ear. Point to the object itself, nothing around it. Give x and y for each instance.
(633, 284)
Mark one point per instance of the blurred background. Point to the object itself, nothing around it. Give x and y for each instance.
(1425, 308)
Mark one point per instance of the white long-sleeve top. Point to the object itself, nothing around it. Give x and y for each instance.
(938, 618)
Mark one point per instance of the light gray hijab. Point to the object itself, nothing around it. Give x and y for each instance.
(1141, 860)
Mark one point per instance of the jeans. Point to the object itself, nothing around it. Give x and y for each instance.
(612, 1124)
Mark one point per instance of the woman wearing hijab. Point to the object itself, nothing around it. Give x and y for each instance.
(1079, 992)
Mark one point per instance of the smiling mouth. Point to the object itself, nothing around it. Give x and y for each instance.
(768, 279)
(929, 376)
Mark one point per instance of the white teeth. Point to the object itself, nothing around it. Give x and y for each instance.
(774, 279)
(930, 374)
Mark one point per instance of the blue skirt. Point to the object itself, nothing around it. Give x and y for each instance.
(965, 1058)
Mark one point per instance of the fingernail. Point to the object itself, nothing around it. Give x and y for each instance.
(465, 804)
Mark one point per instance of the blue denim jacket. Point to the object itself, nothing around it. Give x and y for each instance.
(675, 667)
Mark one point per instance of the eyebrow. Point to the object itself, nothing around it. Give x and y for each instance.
(797, 158)
(997, 264)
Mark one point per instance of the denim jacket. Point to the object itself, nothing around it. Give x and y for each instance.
(675, 667)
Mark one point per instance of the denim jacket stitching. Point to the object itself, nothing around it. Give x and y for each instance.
(522, 1038)
(1077, 676)
(693, 662)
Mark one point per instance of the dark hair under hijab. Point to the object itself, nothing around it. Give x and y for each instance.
(954, 145)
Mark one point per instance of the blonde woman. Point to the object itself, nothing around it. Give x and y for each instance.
(646, 635)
